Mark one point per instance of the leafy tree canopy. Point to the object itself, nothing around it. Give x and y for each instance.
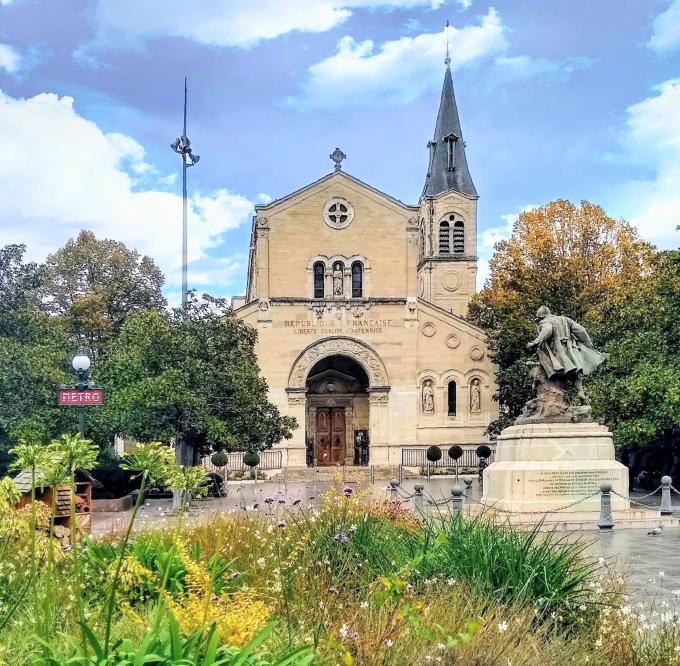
(639, 392)
(193, 377)
(94, 285)
(574, 259)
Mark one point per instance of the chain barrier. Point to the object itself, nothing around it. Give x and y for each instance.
(534, 513)
(675, 490)
(434, 502)
(404, 496)
(649, 494)
(651, 507)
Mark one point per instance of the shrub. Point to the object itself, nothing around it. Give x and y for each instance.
(433, 454)
(116, 481)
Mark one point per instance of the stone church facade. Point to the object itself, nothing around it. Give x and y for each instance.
(358, 300)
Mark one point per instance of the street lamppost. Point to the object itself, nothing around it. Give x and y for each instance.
(182, 146)
(81, 363)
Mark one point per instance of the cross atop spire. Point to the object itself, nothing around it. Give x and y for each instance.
(448, 169)
(447, 61)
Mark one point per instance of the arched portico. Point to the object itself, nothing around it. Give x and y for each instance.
(338, 388)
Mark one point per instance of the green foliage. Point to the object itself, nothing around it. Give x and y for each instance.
(639, 394)
(115, 480)
(93, 286)
(525, 567)
(219, 459)
(164, 645)
(251, 458)
(433, 454)
(193, 377)
(155, 460)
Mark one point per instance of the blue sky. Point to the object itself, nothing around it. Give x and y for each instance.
(557, 99)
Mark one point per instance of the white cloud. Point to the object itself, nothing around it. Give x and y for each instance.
(489, 237)
(399, 71)
(4, 3)
(224, 23)
(10, 60)
(651, 139)
(67, 174)
(666, 30)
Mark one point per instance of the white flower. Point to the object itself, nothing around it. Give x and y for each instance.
(662, 574)
(389, 642)
(364, 604)
(502, 627)
(344, 630)
(261, 562)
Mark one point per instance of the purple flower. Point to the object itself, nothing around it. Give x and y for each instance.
(269, 500)
(352, 529)
(348, 491)
(334, 590)
(282, 501)
(234, 574)
(296, 502)
(341, 537)
(281, 523)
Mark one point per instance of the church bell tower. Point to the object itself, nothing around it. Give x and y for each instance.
(447, 260)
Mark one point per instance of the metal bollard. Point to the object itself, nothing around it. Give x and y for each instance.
(418, 499)
(606, 521)
(394, 484)
(457, 500)
(666, 504)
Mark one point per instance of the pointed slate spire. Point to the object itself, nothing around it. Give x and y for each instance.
(448, 169)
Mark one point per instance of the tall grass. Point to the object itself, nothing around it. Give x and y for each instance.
(349, 582)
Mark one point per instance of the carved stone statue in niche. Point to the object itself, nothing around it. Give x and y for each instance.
(475, 396)
(338, 280)
(428, 397)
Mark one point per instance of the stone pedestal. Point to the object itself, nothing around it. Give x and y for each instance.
(544, 466)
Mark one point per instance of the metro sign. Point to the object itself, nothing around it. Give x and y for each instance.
(81, 398)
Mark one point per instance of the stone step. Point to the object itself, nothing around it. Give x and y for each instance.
(348, 474)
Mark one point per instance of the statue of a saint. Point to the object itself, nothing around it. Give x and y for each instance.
(565, 355)
(338, 280)
(428, 398)
(475, 396)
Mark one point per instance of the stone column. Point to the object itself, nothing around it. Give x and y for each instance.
(296, 448)
(378, 425)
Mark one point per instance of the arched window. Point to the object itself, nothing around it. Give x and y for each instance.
(459, 237)
(451, 398)
(357, 280)
(319, 271)
(444, 246)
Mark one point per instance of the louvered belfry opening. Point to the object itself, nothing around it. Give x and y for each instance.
(444, 245)
(459, 237)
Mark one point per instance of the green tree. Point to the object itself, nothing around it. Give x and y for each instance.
(639, 393)
(193, 377)
(19, 282)
(576, 260)
(94, 285)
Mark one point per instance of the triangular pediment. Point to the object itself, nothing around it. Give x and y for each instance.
(328, 181)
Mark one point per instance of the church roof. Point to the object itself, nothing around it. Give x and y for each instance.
(448, 171)
(330, 176)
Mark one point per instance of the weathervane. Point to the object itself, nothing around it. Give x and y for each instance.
(337, 156)
(447, 61)
(182, 146)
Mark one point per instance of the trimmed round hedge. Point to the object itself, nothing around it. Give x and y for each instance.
(433, 454)
(455, 452)
(483, 451)
(219, 459)
(251, 458)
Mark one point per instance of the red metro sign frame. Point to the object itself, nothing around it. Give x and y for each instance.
(87, 397)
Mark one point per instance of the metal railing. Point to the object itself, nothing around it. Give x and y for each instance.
(269, 460)
(418, 458)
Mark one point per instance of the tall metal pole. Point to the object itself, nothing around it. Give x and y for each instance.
(182, 146)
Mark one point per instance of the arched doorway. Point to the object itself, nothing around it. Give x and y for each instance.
(337, 412)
